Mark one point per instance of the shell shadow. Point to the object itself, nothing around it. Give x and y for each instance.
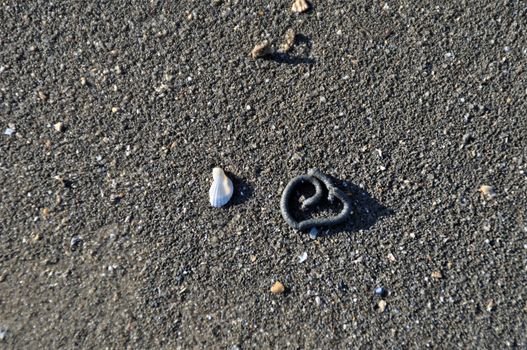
(242, 190)
(366, 210)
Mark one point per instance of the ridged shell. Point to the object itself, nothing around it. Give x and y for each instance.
(300, 6)
(221, 189)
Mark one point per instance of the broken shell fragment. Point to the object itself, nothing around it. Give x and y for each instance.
(300, 6)
(487, 191)
(381, 306)
(289, 40)
(261, 50)
(277, 288)
(221, 189)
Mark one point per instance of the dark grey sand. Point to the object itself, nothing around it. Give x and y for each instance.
(410, 106)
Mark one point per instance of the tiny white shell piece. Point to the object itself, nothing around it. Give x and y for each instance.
(300, 6)
(221, 190)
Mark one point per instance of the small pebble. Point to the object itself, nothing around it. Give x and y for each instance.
(487, 191)
(489, 305)
(42, 96)
(381, 306)
(343, 287)
(313, 233)
(59, 127)
(75, 242)
(3, 334)
(380, 291)
(391, 257)
(302, 257)
(252, 258)
(277, 288)
(9, 131)
(437, 275)
(467, 138)
(115, 109)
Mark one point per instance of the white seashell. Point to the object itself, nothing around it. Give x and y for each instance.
(300, 6)
(221, 190)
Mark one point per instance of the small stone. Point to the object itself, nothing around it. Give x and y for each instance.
(9, 131)
(75, 242)
(489, 306)
(300, 6)
(449, 265)
(261, 50)
(381, 306)
(3, 334)
(313, 233)
(487, 191)
(83, 81)
(37, 237)
(391, 257)
(302, 257)
(343, 287)
(115, 109)
(380, 291)
(277, 288)
(252, 258)
(45, 212)
(467, 138)
(59, 127)
(437, 275)
(42, 96)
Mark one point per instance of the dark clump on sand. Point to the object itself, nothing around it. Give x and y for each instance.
(113, 115)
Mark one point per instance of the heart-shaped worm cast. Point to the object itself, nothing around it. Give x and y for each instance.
(315, 177)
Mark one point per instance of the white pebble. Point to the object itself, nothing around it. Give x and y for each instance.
(302, 257)
(9, 131)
